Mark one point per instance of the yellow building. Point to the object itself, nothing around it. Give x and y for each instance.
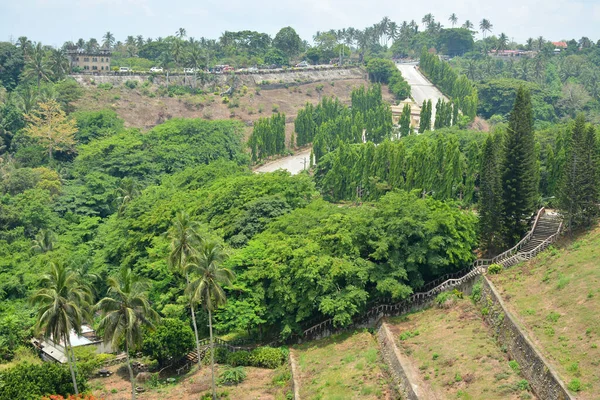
(415, 113)
(90, 61)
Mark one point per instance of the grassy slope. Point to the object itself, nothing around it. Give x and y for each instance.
(344, 366)
(455, 354)
(556, 297)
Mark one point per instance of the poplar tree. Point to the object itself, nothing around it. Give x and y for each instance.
(405, 128)
(490, 197)
(519, 175)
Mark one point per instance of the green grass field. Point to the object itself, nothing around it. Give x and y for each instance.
(456, 356)
(345, 366)
(556, 297)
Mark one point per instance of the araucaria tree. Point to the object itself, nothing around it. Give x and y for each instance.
(490, 196)
(125, 311)
(519, 169)
(206, 287)
(578, 193)
(62, 307)
(51, 127)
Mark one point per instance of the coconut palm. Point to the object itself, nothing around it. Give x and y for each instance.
(540, 43)
(92, 45)
(181, 33)
(453, 19)
(43, 242)
(468, 25)
(127, 191)
(109, 40)
(185, 240)
(62, 306)
(139, 41)
(529, 45)
(392, 31)
(502, 42)
(58, 63)
(206, 288)
(36, 66)
(24, 44)
(485, 26)
(80, 43)
(125, 311)
(427, 20)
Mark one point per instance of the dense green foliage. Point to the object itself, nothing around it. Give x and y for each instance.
(30, 382)
(385, 71)
(328, 244)
(444, 164)
(171, 340)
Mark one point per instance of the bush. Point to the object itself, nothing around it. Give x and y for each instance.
(221, 354)
(238, 358)
(523, 384)
(574, 385)
(495, 269)
(408, 335)
(275, 108)
(105, 86)
(514, 366)
(171, 340)
(131, 84)
(267, 357)
(232, 376)
(26, 381)
(476, 292)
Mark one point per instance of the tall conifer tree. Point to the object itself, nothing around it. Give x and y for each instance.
(519, 175)
(490, 197)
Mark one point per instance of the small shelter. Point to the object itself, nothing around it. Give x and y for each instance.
(55, 351)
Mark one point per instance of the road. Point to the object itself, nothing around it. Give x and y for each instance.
(421, 88)
(293, 164)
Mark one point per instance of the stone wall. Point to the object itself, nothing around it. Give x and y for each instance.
(398, 368)
(295, 375)
(543, 379)
(266, 81)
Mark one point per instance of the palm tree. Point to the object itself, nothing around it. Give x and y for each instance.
(392, 31)
(139, 41)
(181, 33)
(109, 40)
(62, 307)
(36, 66)
(92, 45)
(125, 311)
(427, 20)
(529, 45)
(540, 43)
(185, 240)
(24, 44)
(58, 63)
(127, 191)
(206, 288)
(485, 26)
(43, 242)
(80, 43)
(502, 42)
(468, 25)
(453, 19)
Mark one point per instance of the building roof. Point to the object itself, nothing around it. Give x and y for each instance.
(560, 44)
(56, 350)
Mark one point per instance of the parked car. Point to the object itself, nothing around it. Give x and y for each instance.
(188, 70)
(124, 69)
(156, 69)
(302, 64)
(228, 69)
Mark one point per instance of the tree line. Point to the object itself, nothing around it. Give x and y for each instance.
(268, 137)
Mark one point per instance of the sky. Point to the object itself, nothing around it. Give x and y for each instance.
(55, 21)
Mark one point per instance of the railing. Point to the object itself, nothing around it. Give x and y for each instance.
(441, 284)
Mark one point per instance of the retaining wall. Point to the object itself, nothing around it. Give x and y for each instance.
(543, 379)
(395, 361)
(295, 375)
(268, 80)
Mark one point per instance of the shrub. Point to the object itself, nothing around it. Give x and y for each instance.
(172, 339)
(267, 357)
(131, 84)
(105, 86)
(238, 358)
(275, 108)
(27, 381)
(514, 366)
(574, 385)
(282, 377)
(523, 384)
(476, 292)
(495, 269)
(233, 376)
(408, 335)
(221, 354)
(225, 100)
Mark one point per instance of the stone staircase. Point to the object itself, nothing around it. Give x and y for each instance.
(546, 226)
